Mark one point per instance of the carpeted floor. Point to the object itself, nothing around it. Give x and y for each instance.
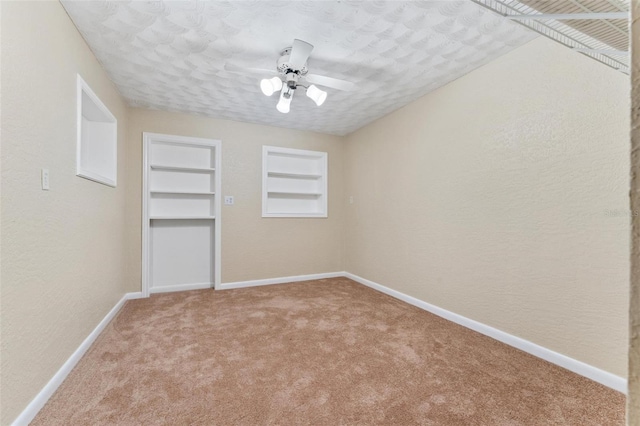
(327, 352)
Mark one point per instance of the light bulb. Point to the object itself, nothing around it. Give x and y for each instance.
(284, 104)
(316, 95)
(270, 85)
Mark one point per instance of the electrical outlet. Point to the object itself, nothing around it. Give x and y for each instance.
(351, 199)
(45, 179)
(228, 200)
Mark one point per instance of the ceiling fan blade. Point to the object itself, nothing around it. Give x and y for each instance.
(300, 52)
(244, 70)
(334, 83)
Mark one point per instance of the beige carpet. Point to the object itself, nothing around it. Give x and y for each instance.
(327, 352)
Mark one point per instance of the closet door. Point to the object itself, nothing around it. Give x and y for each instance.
(181, 213)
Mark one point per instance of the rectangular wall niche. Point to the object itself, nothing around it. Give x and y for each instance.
(97, 149)
(181, 236)
(294, 183)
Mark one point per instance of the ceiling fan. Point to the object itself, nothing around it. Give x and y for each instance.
(292, 74)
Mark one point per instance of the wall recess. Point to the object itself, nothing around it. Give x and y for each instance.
(97, 144)
(294, 182)
(181, 230)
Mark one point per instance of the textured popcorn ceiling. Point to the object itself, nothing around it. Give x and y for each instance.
(171, 55)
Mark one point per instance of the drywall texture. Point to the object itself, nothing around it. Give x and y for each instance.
(633, 401)
(252, 247)
(63, 249)
(503, 197)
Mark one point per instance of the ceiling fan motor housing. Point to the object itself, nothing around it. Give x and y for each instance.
(284, 66)
(292, 80)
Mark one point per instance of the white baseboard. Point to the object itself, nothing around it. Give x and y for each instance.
(603, 377)
(180, 287)
(136, 295)
(29, 413)
(281, 280)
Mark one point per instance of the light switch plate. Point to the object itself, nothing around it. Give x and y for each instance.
(45, 179)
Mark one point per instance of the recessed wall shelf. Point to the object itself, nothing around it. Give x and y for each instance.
(294, 175)
(181, 213)
(294, 182)
(294, 193)
(182, 169)
(97, 138)
(181, 217)
(182, 192)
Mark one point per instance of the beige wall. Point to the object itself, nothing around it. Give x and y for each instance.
(633, 412)
(503, 197)
(63, 249)
(497, 197)
(252, 247)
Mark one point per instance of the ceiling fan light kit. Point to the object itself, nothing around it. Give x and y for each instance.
(316, 95)
(284, 104)
(292, 68)
(270, 85)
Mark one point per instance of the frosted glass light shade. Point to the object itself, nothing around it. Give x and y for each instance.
(270, 85)
(284, 105)
(316, 95)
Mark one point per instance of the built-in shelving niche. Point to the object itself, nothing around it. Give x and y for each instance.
(181, 213)
(294, 182)
(97, 138)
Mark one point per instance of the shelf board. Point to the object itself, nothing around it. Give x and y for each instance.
(180, 217)
(294, 214)
(183, 192)
(294, 175)
(294, 193)
(182, 169)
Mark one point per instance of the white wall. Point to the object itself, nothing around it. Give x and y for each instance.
(63, 253)
(253, 247)
(503, 197)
